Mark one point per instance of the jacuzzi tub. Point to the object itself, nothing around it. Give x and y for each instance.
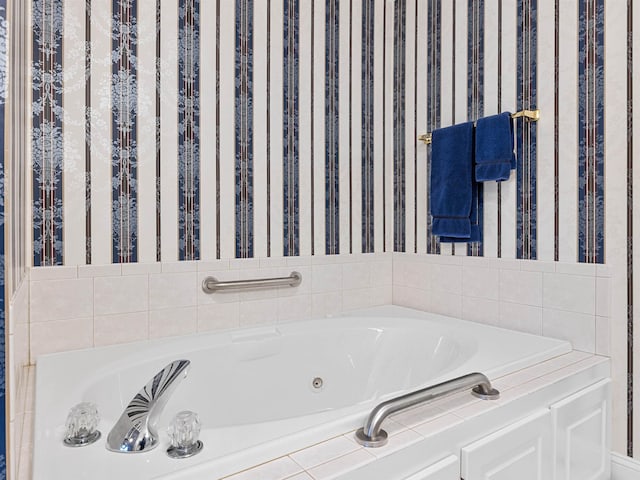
(254, 388)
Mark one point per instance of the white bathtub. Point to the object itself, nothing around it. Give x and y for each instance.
(253, 387)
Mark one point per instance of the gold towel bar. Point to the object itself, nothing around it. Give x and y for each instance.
(529, 115)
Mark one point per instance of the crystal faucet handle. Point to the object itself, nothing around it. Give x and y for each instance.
(184, 431)
(82, 425)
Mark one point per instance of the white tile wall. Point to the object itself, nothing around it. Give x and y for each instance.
(326, 304)
(219, 316)
(518, 286)
(481, 282)
(258, 312)
(483, 310)
(141, 268)
(57, 299)
(326, 278)
(112, 270)
(101, 305)
(121, 294)
(603, 336)
(573, 293)
(120, 328)
(566, 301)
(22, 434)
(17, 372)
(578, 328)
(173, 321)
(446, 304)
(524, 318)
(83, 307)
(61, 335)
(170, 290)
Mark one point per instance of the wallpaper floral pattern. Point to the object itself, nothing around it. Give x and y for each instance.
(124, 98)
(47, 134)
(189, 129)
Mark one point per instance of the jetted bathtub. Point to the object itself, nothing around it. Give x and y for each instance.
(257, 390)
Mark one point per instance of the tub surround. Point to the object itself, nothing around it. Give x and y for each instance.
(240, 429)
(73, 307)
(554, 299)
(20, 381)
(92, 305)
(341, 454)
(87, 306)
(418, 430)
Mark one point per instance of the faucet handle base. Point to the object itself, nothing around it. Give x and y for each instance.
(186, 452)
(82, 441)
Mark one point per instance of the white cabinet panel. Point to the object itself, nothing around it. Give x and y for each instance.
(583, 434)
(522, 451)
(446, 469)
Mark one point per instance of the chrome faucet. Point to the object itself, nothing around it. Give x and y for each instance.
(136, 430)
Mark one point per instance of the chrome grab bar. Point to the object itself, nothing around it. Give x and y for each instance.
(211, 285)
(372, 435)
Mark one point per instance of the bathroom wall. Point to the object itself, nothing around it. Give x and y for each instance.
(215, 131)
(192, 130)
(568, 205)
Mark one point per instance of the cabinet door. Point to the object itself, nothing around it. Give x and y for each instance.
(522, 451)
(582, 431)
(446, 469)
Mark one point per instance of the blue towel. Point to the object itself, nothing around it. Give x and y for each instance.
(451, 181)
(494, 148)
(476, 222)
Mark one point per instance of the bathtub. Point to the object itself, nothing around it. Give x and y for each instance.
(256, 390)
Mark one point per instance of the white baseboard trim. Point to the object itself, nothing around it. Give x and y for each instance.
(624, 468)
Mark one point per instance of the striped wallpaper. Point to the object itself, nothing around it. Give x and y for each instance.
(303, 127)
(290, 93)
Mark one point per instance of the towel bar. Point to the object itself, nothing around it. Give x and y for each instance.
(529, 115)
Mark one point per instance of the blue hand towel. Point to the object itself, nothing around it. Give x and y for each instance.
(494, 148)
(451, 180)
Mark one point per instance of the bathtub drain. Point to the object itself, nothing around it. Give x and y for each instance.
(317, 383)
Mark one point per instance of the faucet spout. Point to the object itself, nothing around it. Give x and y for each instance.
(136, 430)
